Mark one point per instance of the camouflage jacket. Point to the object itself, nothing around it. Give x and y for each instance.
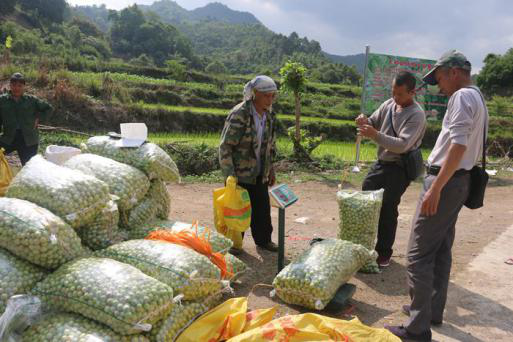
(238, 144)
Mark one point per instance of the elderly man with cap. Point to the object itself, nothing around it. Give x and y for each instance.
(19, 117)
(247, 149)
(458, 149)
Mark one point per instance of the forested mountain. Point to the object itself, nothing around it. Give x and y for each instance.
(227, 40)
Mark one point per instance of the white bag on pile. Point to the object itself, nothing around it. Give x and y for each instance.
(359, 218)
(107, 291)
(60, 154)
(104, 230)
(73, 328)
(126, 182)
(314, 277)
(155, 204)
(17, 276)
(37, 235)
(218, 242)
(149, 158)
(186, 271)
(72, 195)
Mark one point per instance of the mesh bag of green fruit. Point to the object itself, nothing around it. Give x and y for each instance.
(37, 235)
(182, 315)
(126, 182)
(162, 198)
(107, 291)
(313, 278)
(154, 204)
(17, 276)
(149, 158)
(57, 327)
(186, 271)
(70, 194)
(359, 218)
(219, 242)
(236, 266)
(103, 231)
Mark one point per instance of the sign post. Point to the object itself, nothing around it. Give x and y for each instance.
(281, 198)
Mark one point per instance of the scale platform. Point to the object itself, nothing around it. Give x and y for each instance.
(339, 301)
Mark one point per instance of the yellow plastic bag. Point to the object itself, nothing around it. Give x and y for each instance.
(5, 173)
(229, 321)
(232, 211)
(314, 327)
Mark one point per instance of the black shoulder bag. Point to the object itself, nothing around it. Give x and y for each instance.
(412, 160)
(478, 175)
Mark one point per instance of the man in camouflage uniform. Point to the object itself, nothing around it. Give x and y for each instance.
(19, 118)
(247, 149)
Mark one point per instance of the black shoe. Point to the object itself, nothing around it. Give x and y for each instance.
(404, 335)
(406, 311)
(270, 246)
(235, 251)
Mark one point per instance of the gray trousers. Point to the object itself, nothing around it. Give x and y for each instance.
(429, 254)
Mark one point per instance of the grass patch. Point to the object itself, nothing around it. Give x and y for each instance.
(224, 112)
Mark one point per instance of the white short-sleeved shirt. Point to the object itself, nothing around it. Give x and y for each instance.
(463, 124)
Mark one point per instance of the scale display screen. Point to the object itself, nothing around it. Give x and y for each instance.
(282, 196)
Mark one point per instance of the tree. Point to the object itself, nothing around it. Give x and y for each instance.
(47, 10)
(176, 69)
(293, 80)
(496, 77)
(216, 67)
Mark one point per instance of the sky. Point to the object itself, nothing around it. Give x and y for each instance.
(422, 29)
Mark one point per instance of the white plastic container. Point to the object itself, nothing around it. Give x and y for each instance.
(60, 154)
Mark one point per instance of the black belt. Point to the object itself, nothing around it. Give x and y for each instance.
(434, 170)
(385, 162)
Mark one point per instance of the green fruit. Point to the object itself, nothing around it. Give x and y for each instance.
(126, 182)
(17, 276)
(313, 278)
(103, 231)
(359, 218)
(107, 291)
(70, 194)
(156, 203)
(69, 327)
(149, 158)
(186, 271)
(182, 315)
(36, 235)
(235, 266)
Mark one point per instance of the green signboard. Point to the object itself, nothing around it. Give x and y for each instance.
(381, 70)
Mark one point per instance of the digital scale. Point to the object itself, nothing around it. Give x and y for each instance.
(282, 197)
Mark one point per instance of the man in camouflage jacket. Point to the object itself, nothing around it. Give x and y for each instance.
(247, 149)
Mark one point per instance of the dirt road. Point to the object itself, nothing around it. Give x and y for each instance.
(480, 303)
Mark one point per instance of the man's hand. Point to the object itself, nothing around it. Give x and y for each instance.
(272, 177)
(367, 131)
(430, 202)
(36, 123)
(361, 120)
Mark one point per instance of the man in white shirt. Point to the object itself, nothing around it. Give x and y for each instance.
(446, 187)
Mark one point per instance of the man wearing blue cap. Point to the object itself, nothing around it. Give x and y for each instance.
(19, 117)
(457, 150)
